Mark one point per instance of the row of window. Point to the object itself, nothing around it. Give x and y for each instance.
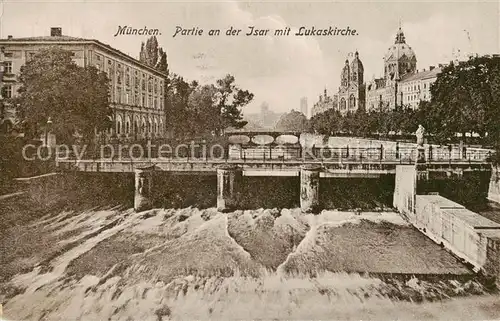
(123, 72)
(126, 127)
(414, 98)
(137, 99)
(352, 102)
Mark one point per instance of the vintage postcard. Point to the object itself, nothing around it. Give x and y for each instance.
(237, 160)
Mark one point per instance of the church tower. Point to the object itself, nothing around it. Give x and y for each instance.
(351, 95)
(356, 70)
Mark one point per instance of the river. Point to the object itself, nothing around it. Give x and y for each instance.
(82, 253)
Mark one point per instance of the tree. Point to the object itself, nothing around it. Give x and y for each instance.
(229, 101)
(153, 55)
(74, 97)
(465, 98)
(179, 118)
(293, 121)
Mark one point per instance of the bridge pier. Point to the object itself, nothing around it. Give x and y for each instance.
(143, 196)
(309, 188)
(228, 185)
(409, 181)
(494, 187)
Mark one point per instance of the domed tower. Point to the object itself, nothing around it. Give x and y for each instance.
(399, 60)
(345, 75)
(357, 70)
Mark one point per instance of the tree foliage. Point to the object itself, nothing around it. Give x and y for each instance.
(465, 99)
(74, 97)
(360, 123)
(195, 109)
(293, 121)
(153, 55)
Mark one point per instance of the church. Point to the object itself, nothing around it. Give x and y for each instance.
(401, 85)
(400, 62)
(351, 94)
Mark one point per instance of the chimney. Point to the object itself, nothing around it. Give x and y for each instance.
(9, 37)
(55, 32)
(431, 67)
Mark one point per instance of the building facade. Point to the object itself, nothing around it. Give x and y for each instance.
(415, 88)
(136, 90)
(324, 103)
(351, 94)
(399, 61)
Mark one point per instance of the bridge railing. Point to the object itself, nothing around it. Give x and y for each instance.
(283, 153)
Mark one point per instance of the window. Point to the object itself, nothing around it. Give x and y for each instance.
(155, 103)
(119, 77)
(119, 94)
(7, 91)
(352, 101)
(127, 80)
(143, 100)
(342, 104)
(98, 57)
(8, 67)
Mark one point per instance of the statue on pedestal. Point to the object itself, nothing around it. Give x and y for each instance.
(420, 135)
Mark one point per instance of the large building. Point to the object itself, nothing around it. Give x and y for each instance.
(416, 87)
(399, 61)
(324, 103)
(137, 90)
(351, 94)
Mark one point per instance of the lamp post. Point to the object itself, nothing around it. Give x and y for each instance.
(47, 128)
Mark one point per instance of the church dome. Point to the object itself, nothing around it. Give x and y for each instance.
(399, 49)
(356, 62)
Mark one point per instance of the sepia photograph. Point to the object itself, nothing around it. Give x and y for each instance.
(249, 160)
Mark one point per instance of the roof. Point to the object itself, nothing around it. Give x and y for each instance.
(492, 234)
(45, 38)
(58, 39)
(441, 201)
(421, 75)
(472, 219)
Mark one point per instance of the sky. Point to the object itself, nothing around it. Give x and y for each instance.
(278, 70)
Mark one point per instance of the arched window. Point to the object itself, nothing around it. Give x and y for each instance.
(352, 101)
(143, 125)
(342, 104)
(127, 125)
(119, 123)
